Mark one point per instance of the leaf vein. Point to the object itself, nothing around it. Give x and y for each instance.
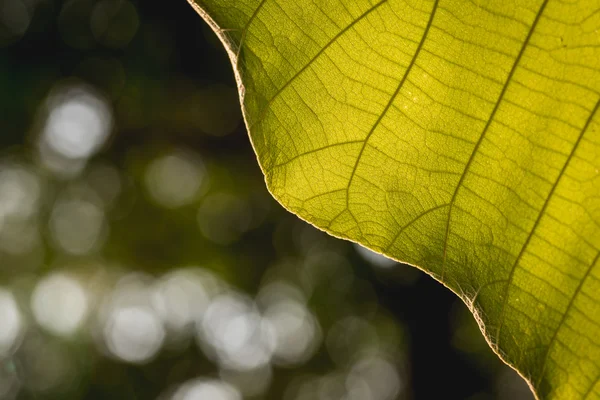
(393, 97)
(313, 59)
(486, 129)
(539, 218)
(564, 316)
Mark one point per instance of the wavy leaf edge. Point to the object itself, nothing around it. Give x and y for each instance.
(233, 55)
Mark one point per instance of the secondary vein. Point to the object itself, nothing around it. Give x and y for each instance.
(485, 130)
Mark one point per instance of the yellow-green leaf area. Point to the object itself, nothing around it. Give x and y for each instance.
(462, 137)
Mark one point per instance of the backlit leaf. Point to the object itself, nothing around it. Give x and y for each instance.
(462, 137)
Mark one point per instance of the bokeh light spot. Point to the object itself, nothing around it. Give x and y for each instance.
(78, 124)
(59, 304)
(297, 333)
(234, 331)
(180, 299)
(201, 389)
(373, 378)
(373, 258)
(134, 334)
(11, 323)
(20, 191)
(175, 179)
(77, 226)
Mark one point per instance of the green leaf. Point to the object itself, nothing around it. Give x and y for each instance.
(462, 137)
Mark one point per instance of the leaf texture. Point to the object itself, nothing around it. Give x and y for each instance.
(462, 137)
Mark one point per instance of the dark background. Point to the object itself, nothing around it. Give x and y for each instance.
(106, 225)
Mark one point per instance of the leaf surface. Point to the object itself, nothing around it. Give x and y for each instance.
(462, 137)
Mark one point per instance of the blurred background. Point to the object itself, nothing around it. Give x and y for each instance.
(141, 256)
